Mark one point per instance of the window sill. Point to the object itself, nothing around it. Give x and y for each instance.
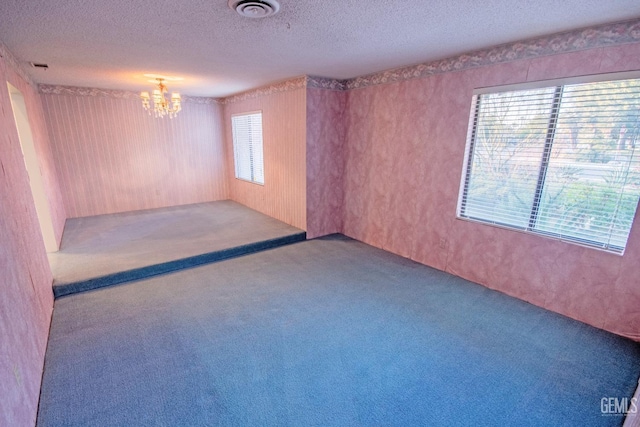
(541, 235)
(250, 182)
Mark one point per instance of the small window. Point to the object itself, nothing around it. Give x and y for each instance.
(560, 161)
(247, 146)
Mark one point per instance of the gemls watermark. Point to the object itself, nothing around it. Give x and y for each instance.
(613, 406)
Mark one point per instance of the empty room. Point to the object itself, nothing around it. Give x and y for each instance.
(319, 213)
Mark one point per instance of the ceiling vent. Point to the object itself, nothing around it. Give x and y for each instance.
(255, 8)
(39, 65)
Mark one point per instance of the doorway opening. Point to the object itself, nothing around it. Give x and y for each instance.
(33, 169)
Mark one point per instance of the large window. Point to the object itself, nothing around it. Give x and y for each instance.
(561, 161)
(247, 146)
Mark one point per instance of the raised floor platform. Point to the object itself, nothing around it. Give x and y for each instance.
(106, 250)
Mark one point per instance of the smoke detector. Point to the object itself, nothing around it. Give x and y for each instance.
(255, 8)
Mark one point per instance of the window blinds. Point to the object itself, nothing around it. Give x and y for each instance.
(247, 147)
(561, 161)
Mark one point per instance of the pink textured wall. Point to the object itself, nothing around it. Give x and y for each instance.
(326, 129)
(283, 195)
(404, 150)
(27, 299)
(111, 156)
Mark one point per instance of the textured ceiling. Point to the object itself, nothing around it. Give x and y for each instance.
(111, 43)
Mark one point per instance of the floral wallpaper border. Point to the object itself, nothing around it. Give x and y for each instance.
(13, 62)
(565, 42)
(285, 86)
(110, 93)
(326, 83)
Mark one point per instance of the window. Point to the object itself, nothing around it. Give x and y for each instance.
(561, 161)
(247, 146)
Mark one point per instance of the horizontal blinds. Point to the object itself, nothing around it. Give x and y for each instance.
(247, 147)
(561, 161)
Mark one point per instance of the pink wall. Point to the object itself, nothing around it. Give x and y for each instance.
(112, 156)
(405, 144)
(325, 161)
(283, 195)
(27, 299)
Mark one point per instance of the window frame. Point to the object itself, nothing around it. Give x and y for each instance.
(233, 140)
(471, 137)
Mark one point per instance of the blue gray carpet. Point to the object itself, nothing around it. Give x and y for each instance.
(328, 332)
(105, 250)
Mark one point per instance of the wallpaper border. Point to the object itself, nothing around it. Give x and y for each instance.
(326, 83)
(619, 33)
(284, 86)
(110, 93)
(565, 42)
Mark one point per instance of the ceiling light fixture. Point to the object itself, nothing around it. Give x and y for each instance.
(255, 8)
(161, 105)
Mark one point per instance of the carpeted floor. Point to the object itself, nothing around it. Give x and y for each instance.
(327, 332)
(103, 250)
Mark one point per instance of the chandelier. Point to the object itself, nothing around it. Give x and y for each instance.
(161, 105)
